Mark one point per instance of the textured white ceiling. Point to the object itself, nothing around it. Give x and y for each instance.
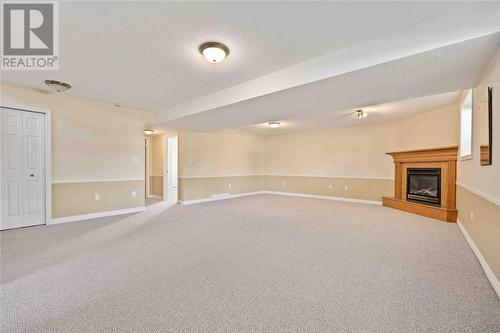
(442, 70)
(375, 114)
(144, 54)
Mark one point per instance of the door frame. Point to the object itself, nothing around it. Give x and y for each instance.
(148, 166)
(48, 153)
(166, 172)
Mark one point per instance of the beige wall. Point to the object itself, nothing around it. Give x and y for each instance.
(156, 186)
(91, 140)
(157, 160)
(226, 161)
(156, 172)
(78, 198)
(158, 155)
(344, 162)
(435, 128)
(484, 179)
(485, 228)
(359, 151)
(478, 191)
(88, 140)
(205, 187)
(350, 161)
(221, 153)
(352, 188)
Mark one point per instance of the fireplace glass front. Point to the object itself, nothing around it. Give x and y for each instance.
(424, 185)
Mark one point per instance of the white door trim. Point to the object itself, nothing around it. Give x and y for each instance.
(166, 163)
(148, 162)
(48, 152)
(165, 167)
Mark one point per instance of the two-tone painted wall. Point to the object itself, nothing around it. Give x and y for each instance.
(97, 151)
(478, 187)
(218, 162)
(348, 162)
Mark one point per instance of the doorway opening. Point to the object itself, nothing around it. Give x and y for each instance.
(170, 166)
(161, 152)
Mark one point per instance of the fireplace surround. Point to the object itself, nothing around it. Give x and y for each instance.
(424, 182)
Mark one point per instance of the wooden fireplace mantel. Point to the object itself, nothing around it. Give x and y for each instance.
(444, 158)
(439, 154)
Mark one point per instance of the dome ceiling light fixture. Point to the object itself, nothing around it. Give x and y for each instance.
(148, 131)
(57, 86)
(214, 52)
(360, 114)
(274, 124)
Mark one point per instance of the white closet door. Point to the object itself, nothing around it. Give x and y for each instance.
(23, 172)
(34, 162)
(12, 176)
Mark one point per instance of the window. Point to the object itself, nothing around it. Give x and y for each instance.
(466, 127)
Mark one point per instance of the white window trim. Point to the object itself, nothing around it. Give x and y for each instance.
(469, 156)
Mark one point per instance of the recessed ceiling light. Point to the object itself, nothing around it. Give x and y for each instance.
(273, 124)
(148, 131)
(57, 86)
(360, 114)
(214, 52)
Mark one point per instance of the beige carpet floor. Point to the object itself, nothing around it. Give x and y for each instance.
(256, 264)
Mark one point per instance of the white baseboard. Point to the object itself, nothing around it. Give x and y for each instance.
(217, 198)
(75, 218)
(152, 196)
(486, 268)
(325, 197)
(225, 197)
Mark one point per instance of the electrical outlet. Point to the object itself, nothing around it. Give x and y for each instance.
(472, 216)
(134, 194)
(330, 186)
(136, 160)
(346, 187)
(97, 196)
(284, 184)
